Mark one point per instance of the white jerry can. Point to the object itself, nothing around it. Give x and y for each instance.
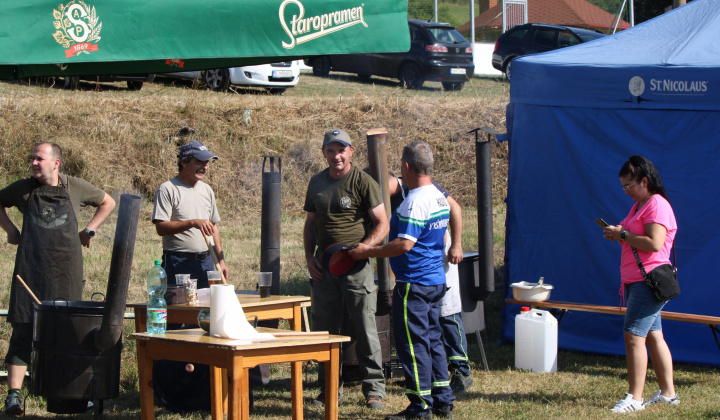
(536, 341)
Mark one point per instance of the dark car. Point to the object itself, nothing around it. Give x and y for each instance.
(438, 53)
(532, 38)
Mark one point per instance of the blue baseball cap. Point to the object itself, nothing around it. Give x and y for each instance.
(197, 150)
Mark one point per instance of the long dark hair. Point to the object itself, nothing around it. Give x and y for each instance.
(639, 167)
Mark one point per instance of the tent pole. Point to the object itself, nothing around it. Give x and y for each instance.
(619, 13)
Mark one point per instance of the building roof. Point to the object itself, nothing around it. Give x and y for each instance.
(578, 13)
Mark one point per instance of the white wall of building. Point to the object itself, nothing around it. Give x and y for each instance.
(482, 56)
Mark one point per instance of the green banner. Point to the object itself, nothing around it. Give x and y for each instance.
(48, 38)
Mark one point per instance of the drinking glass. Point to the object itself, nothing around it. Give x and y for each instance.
(264, 283)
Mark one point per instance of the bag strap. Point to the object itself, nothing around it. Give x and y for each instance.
(639, 263)
(642, 269)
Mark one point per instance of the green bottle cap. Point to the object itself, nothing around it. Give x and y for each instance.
(158, 262)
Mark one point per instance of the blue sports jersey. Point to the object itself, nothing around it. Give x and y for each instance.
(422, 218)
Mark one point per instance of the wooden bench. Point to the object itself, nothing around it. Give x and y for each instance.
(558, 309)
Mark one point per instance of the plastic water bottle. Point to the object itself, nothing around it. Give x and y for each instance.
(157, 280)
(156, 306)
(156, 314)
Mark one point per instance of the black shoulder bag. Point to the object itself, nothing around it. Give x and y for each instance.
(662, 279)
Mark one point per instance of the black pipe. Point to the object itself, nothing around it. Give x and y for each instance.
(270, 221)
(486, 262)
(120, 266)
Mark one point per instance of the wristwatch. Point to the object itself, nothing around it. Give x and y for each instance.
(623, 234)
(90, 233)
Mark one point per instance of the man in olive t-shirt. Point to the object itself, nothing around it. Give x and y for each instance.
(342, 203)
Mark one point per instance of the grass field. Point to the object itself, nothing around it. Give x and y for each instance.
(126, 142)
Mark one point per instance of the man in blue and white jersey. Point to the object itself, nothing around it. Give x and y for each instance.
(415, 250)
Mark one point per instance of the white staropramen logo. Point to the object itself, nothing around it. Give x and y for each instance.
(301, 29)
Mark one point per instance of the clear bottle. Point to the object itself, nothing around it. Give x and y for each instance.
(156, 314)
(157, 280)
(156, 306)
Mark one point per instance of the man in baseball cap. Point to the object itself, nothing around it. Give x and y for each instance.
(339, 201)
(185, 213)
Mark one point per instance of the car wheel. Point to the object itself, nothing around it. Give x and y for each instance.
(508, 67)
(321, 66)
(276, 91)
(71, 82)
(217, 79)
(453, 86)
(411, 76)
(134, 84)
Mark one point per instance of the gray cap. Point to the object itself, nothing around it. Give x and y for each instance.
(197, 150)
(337, 135)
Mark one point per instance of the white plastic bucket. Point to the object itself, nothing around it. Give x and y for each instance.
(536, 341)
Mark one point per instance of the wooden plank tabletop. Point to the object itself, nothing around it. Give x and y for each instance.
(246, 300)
(615, 310)
(200, 337)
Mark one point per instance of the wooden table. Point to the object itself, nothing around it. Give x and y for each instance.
(230, 361)
(273, 307)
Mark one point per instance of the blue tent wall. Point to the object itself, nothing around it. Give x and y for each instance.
(566, 151)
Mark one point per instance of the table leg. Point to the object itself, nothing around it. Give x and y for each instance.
(296, 369)
(296, 390)
(140, 319)
(237, 382)
(224, 384)
(216, 392)
(147, 408)
(332, 382)
(296, 321)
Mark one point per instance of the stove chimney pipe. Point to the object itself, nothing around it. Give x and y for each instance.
(120, 266)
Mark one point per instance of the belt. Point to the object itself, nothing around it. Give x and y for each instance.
(190, 255)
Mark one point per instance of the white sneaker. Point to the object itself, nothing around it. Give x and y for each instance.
(657, 398)
(627, 405)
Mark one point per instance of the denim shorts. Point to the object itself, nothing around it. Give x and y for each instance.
(643, 310)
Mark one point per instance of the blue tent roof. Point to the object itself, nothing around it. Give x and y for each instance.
(575, 116)
(666, 58)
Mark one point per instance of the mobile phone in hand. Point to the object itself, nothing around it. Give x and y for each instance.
(601, 223)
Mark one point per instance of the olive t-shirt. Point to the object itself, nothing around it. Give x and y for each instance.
(342, 206)
(82, 193)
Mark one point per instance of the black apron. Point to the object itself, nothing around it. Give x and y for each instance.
(49, 256)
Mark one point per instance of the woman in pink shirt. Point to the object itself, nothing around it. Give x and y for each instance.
(650, 228)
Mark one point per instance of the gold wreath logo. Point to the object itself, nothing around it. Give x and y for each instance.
(78, 28)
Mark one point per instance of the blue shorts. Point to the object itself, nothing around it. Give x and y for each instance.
(643, 310)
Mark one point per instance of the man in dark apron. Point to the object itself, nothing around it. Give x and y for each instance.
(49, 255)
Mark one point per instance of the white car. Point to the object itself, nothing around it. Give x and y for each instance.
(275, 77)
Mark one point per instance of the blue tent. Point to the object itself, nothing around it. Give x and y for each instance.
(575, 116)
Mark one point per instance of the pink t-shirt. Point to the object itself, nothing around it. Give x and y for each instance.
(656, 210)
